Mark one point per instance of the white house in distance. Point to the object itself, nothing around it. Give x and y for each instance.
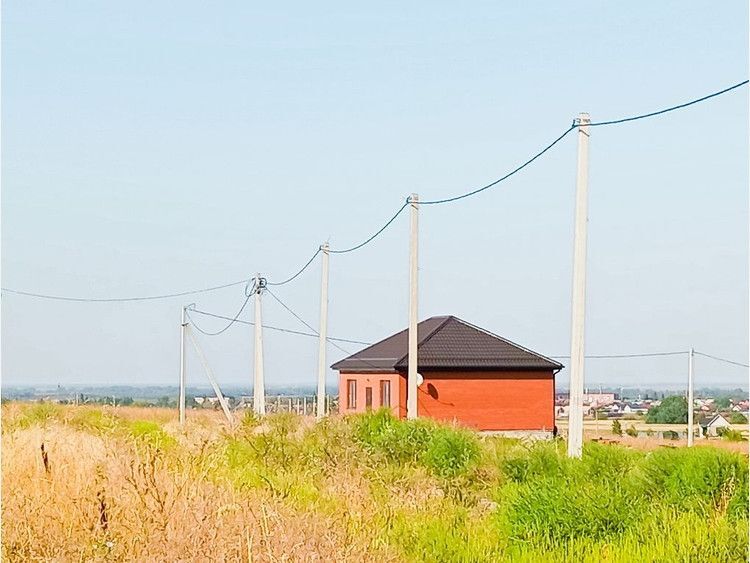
(710, 424)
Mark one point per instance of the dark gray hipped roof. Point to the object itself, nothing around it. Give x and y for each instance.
(447, 343)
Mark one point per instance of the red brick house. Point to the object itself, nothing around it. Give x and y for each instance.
(468, 375)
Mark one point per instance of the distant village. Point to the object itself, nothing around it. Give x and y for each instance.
(712, 414)
(715, 410)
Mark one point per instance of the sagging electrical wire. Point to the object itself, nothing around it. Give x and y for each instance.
(279, 329)
(616, 356)
(122, 299)
(718, 359)
(400, 210)
(249, 292)
(667, 110)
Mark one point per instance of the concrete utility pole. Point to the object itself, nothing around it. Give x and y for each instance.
(259, 387)
(411, 384)
(183, 325)
(323, 335)
(578, 308)
(690, 399)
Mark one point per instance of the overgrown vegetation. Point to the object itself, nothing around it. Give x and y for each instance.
(369, 487)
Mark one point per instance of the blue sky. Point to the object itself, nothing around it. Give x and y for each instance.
(159, 147)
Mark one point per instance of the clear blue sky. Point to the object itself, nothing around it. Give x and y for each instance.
(152, 147)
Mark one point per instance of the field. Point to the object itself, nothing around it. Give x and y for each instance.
(129, 484)
(593, 430)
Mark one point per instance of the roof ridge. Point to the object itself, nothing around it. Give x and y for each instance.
(427, 337)
(537, 354)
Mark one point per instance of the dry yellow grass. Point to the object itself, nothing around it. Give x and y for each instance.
(131, 484)
(113, 499)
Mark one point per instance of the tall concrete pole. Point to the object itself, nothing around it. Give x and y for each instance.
(578, 307)
(183, 325)
(323, 334)
(259, 387)
(411, 384)
(690, 399)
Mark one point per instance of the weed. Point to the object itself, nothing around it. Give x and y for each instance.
(151, 434)
(732, 435)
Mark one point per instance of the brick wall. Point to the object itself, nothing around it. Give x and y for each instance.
(490, 400)
(371, 380)
(502, 400)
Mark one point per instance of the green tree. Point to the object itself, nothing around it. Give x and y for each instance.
(737, 418)
(616, 428)
(723, 403)
(672, 410)
(631, 431)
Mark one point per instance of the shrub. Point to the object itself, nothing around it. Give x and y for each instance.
(732, 435)
(542, 459)
(445, 451)
(399, 441)
(737, 418)
(631, 431)
(151, 433)
(616, 428)
(604, 462)
(696, 479)
(249, 419)
(40, 413)
(451, 452)
(560, 509)
(92, 419)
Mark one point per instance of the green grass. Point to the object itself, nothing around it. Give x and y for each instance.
(423, 491)
(497, 499)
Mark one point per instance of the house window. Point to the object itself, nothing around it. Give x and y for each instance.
(385, 393)
(368, 398)
(351, 394)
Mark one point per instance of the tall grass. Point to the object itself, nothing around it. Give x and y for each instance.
(126, 486)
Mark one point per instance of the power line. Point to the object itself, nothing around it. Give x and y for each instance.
(333, 340)
(292, 278)
(120, 299)
(721, 359)
(345, 250)
(276, 328)
(574, 126)
(300, 319)
(614, 356)
(503, 178)
(667, 110)
(393, 218)
(375, 235)
(249, 291)
(295, 315)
